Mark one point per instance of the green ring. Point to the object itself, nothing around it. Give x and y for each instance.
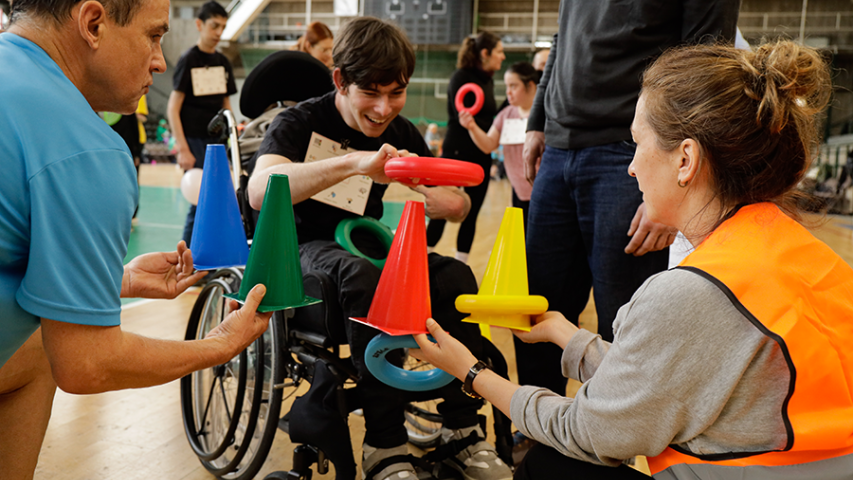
(343, 235)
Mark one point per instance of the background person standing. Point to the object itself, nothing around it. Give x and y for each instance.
(202, 85)
(317, 42)
(587, 223)
(479, 58)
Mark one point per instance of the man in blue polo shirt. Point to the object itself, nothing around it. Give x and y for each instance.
(69, 191)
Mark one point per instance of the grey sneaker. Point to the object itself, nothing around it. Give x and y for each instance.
(395, 470)
(479, 461)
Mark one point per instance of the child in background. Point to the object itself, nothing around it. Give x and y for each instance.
(508, 129)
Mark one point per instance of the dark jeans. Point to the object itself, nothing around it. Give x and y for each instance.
(198, 147)
(581, 207)
(468, 228)
(545, 463)
(357, 279)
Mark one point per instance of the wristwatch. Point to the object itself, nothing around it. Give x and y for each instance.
(468, 386)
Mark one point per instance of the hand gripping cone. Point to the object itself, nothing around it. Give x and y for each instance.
(218, 240)
(503, 299)
(274, 258)
(401, 304)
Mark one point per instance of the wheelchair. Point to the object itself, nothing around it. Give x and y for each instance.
(231, 412)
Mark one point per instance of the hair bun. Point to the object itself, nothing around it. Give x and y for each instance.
(788, 77)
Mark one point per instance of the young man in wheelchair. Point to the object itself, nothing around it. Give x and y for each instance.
(360, 120)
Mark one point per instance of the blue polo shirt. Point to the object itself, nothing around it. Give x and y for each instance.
(67, 194)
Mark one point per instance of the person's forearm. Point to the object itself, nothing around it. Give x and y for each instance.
(112, 359)
(496, 389)
(481, 139)
(173, 112)
(306, 179)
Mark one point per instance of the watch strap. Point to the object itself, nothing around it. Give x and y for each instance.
(468, 385)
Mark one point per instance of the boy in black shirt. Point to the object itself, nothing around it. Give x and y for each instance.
(202, 84)
(374, 62)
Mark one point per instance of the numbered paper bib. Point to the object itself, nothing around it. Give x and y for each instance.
(513, 131)
(350, 194)
(209, 81)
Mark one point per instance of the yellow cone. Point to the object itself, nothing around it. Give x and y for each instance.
(504, 299)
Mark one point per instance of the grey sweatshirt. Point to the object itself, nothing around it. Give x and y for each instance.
(685, 368)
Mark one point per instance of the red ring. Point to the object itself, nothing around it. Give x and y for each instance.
(434, 171)
(478, 98)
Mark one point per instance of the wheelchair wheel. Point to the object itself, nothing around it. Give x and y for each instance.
(230, 411)
(423, 422)
(269, 374)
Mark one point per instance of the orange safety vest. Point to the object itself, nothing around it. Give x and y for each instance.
(797, 291)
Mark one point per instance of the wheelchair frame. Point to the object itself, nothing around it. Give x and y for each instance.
(231, 412)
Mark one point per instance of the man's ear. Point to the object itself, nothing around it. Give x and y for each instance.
(198, 24)
(91, 22)
(338, 78)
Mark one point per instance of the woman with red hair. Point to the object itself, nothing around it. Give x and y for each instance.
(317, 42)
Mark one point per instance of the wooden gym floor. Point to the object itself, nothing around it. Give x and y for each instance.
(138, 434)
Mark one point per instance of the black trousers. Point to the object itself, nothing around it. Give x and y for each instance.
(357, 279)
(468, 228)
(545, 463)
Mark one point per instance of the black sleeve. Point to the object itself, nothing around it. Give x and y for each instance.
(709, 20)
(419, 145)
(181, 80)
(458, 79)
(536, 118)
(232, 84)
(288, 136)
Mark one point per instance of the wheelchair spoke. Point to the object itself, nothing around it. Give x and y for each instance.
(203, 420)
(225, 401)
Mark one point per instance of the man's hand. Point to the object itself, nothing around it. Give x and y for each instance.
(372, 164)
(466, 120)
(445, 203)
(534, 146)
(241, 327)
(186, 160)
(160, 274)
(549, 327)
(648, 236)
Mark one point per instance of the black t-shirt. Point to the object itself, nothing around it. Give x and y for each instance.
(197, 112)
(289, 136)
(457, 141)
(128, 128)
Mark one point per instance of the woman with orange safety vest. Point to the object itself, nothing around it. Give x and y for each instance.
(738, 363)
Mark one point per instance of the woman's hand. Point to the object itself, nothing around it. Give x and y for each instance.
(549, 327)
(160, 274)
(466, 120)
(446, 353)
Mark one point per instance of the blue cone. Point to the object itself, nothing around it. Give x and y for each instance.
(218, 240)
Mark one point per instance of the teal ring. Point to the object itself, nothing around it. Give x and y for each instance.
(412, 381)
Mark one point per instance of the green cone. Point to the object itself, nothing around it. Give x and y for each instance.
(274, 256)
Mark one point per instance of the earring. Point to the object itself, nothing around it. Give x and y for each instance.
(682, 185)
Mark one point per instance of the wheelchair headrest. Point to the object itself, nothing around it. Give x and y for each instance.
(283, 76)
